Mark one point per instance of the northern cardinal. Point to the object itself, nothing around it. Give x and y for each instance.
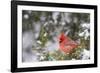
(66, 44)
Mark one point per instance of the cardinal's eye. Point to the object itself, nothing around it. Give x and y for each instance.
(60, 41)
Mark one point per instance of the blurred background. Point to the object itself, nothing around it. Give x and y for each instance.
(41, 29)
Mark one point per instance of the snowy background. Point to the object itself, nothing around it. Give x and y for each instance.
(41, 31)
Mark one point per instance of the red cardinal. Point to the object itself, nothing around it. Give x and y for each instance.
(66, 44)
